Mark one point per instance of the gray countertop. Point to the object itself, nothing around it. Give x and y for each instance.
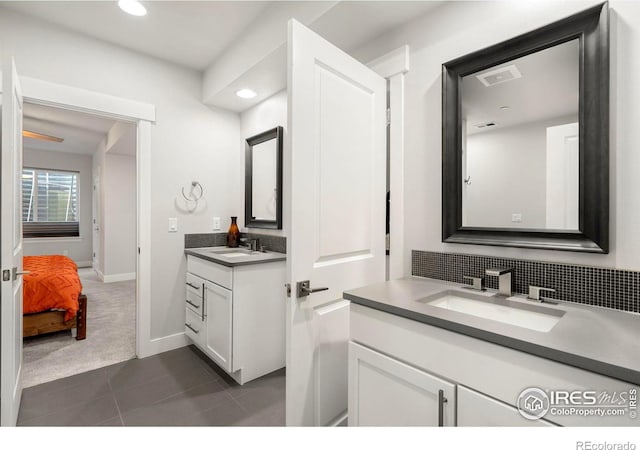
(209, 254)
(600, 340)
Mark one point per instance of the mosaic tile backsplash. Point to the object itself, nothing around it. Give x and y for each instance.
(596, 286)
(272, 243)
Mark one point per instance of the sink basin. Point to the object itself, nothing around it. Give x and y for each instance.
(233, 252)
(532, 317)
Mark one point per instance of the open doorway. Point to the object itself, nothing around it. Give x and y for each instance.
(79, 207)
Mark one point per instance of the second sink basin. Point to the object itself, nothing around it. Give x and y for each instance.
(233, 252)
(533, 317)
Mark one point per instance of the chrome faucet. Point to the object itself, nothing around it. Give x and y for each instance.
(505, 281)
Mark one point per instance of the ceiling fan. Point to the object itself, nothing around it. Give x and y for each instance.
(40, 136)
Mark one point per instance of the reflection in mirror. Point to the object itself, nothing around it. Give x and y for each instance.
(525, 139)
(264, 187)
(263, 180)
(520, 142)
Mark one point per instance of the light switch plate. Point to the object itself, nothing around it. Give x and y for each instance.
(216, 224)
(173, 224)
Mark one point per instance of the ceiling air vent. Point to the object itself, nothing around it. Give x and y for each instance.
(501, 75)
(485, 124)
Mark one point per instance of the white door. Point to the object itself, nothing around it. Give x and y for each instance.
(563, 156)
(335, 195)
(11, 248)
(384, 391)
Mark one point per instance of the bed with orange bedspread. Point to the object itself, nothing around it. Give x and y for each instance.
(52, 296)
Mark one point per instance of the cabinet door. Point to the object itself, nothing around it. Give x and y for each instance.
(478, 410)
(384, 391)
(218, 312)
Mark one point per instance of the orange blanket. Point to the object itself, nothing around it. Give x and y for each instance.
(52, 284)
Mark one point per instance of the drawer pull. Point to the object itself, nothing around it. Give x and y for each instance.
(188, 325)
(441, 401)
(193, 304)
(195, 286)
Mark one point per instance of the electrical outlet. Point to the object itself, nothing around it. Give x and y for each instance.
(516, 217)
(173, 224)
(216, 224)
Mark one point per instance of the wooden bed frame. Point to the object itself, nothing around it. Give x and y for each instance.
(50, 321)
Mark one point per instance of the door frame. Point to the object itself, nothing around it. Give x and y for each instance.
(96, 218)
(143, 115)
(393, 66)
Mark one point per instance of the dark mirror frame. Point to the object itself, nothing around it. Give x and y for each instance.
(249, 221)
(591, 27)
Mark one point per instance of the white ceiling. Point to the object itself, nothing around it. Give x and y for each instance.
(195, 33)
(348, 25)
(548, 89)
(189, 33)
(81, 132)
(206, 35)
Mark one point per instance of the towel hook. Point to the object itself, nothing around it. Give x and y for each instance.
(193, 197)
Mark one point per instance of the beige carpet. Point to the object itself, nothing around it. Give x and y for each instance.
(110, 338)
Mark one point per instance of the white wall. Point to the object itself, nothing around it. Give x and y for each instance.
(508, 170)
(117, 243)
(189, 141)
(266, 115)
(78, 249)
(117, 229)
(459, 28)
(119, 220)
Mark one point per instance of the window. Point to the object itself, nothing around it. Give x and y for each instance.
(49, 203)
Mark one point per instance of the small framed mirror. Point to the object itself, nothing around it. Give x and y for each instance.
(263, 180)
(525, 143)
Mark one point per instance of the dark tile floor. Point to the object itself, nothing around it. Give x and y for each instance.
(177, 388)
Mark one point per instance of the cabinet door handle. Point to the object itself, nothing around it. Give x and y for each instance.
(193, 304)
(441, 401)
(195, 286)
(188, 325)
(204, 287)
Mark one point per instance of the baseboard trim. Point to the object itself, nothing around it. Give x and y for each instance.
(117, 277)
(84, 264)
(164, 344)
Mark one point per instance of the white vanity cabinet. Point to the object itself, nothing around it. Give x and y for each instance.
(384, 391)
(396, 365)
(236, 315)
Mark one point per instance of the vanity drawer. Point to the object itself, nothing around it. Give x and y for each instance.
(194, 293)
(211, 271)
(194, 327)
(194, 301)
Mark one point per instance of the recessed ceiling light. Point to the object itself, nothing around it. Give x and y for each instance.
(133, 7)
(246, 93)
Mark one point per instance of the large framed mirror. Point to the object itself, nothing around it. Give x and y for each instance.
(263, 180)
(526, 139)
